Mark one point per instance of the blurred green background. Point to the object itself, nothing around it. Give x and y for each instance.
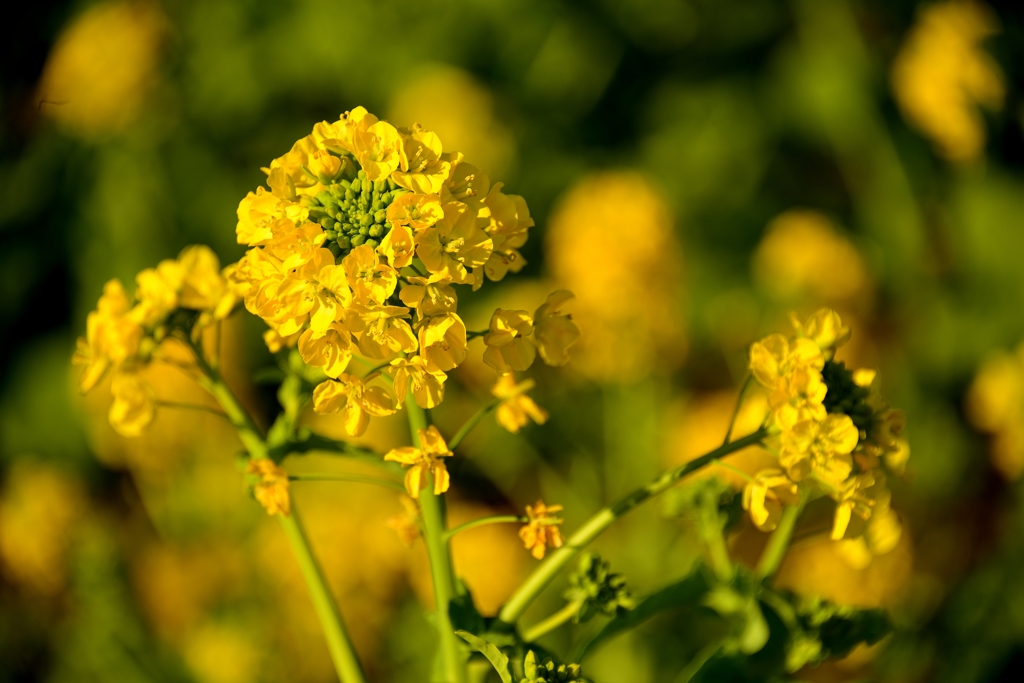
(696, 170)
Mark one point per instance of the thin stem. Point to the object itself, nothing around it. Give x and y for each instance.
(563, 615)
(778, 542)
(472, 422)
(496, 519)
(733, 469)
(432, 508)
(338, 643)
(191, 406)
(595, 526)
(346, 663)
(736, 409)
(357, 478)
(698, 662)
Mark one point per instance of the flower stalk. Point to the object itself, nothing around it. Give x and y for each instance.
(432, 508)
(596, 525)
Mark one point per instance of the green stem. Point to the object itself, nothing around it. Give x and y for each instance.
(497, 519)
(432, 509)
(778, 542)
(736, 409)
(595, 526)
(357, 478)
(346, 663)
(338, 643)
(472, 422)
(563, 615)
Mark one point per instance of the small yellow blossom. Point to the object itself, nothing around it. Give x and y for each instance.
(516, 408)
(430, 296)
(331, 350)
(942, 73)
(427, 459)
(111, 336)
(407, 522)
(791, 371)
(398, 247)
(859, 499)
(272, 489)
(455, 244)
(554, 332)
(765, 496)
(508, 344)
(820, 449)
(825, 329)
(417, 211)
(371, 280)
(134, 405)
(355, 401)
(419, 375)
(381, 331)
(542, 529)
(995, 405)
(442, 340)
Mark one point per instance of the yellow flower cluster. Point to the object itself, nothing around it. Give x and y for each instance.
(181, 296)
(542, 529)
(356, 249)
(942, 72)
(271, 486)
(833, 434)
(995, 405)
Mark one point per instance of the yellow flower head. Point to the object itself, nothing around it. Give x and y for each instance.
(542, 529)
(516, 408)
(508, 344)
(821, 449)
(791, 371)
(427, 459)
(134, 405)
(272, 488)
(422, 377)
(995, 405)
(765, 496)
(430, 296)
(331, 350)
(103, 67)
(442, 340)
(112, 336)
(555, 332)
(355, 401)
(942, 73)
(407, 522)
(857, 501)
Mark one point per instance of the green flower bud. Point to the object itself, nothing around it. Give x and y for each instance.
(376, 230)
(598, 589)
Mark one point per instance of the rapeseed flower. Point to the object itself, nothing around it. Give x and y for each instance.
(423, 461)
(516, 408)
(832, 434)
(271, 490)
(995, 405)
(942, 74)
(542, 529)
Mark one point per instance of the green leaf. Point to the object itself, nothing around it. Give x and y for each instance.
(489, 650)
(687, 592)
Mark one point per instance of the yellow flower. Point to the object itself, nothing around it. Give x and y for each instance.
(611, 239)
(826, 330)
(995, 405)
(821, 449)
(803, 255)
(378, 150)
(553, 332)
(134, 405)
(430, 296)
(272, 489)
(792, 374)
(371, 280)
(516, 408)
(454, 244)
(331, 350)
(765, 496)
(542, 529)
(856, 502)
(942, 72)
(398, 247)
(443, 340)
(422, 169)
(508, 345)
(406, 523)
(423, 378)
(262, 216)
(112, 336)
(103, 67)
(417, 211)
(381, 331)
(204, 287)
(157, 291)
(355, 401)
(427, 459)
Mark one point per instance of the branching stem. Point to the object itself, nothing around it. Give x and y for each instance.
(497, 519)
(472, 422)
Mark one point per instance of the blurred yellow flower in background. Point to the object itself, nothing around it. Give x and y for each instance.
(942, 73)
(102, 68)
(39, 508)
(803, 256)
(612, 239)
(451, 102)
(995, 405)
